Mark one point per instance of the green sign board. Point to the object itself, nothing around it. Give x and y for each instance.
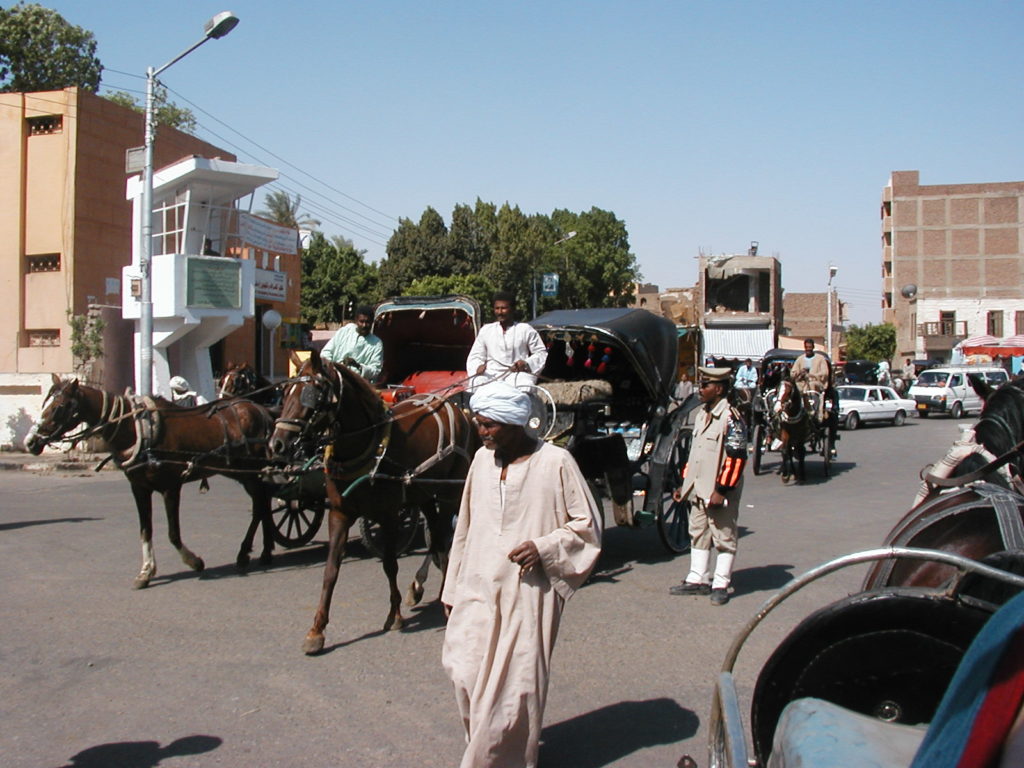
(214, 283)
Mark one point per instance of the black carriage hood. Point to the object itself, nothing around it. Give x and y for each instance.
(650, 342)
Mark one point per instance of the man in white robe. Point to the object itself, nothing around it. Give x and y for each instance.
(505, 349)
(528, 535)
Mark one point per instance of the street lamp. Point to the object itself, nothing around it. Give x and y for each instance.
(568, 236)
(215, 28)
(832, 269)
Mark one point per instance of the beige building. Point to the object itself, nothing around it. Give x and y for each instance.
(952, 263)
(66, 234)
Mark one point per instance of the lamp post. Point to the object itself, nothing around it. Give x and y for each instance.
(215, 28)
(568, 236)
(832, 269)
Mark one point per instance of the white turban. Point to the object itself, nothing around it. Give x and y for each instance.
(501, 402)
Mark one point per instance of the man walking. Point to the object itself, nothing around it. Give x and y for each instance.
(713, 483)
(528, 534)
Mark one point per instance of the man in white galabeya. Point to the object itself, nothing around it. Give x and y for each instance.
(505, 349)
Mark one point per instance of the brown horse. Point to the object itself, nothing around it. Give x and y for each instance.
(794, 424)
(242, 380)
(974, 519)
(160, 447)
(376, 460)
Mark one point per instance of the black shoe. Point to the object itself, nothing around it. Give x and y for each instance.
(719, 596)
(690, 589)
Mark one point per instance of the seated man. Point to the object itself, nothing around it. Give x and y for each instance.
(810, 374)
(182, 394)
(356, 348)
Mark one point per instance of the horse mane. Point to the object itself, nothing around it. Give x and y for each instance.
(1001, 424)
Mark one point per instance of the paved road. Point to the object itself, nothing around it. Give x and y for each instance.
(206, 670)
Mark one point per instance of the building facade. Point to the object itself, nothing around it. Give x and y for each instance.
(805, 316)
(952, 264)
(66, 233)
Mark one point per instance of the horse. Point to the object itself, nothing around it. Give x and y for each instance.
(976, 519)
(160, 447)
(242, 380)
(793, 426)
(376, 459)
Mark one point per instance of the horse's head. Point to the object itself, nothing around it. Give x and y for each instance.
(309, 404)
(61, 412)
(1001, 423)
(238, 380)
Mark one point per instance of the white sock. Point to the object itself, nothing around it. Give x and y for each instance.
(723, 570)
(699, 559)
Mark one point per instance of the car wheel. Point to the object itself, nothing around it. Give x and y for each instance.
(852, 420)
(956, 411)
(899, 418)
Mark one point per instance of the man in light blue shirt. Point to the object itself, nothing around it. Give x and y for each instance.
(746, 375)
(355, 347)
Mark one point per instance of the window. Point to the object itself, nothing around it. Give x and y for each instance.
(888, 394)
(947, 322)
(1018, 322)
(995, 322)
(45, 262)
(956, 380)
(49, 337)
(45, 124)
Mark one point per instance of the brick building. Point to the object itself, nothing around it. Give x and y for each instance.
(805, 316)
(952, 263)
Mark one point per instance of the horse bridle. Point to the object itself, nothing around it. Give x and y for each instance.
(65, 417)
(317, 407)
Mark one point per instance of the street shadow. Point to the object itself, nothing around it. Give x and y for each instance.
(608, 734)
(141, 754)
(762, 578)
(13, 526)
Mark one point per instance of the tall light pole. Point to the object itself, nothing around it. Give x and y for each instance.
(832, 269)
(568, 236)
(215, 28)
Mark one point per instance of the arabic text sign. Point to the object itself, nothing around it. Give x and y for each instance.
(268, 236)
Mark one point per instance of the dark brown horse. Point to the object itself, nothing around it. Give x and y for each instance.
(376, 460)
(160, 447)
(242, 380)
(794, 424)
(972, 518)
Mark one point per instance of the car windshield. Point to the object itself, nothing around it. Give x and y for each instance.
(932, 379)
(852, 393)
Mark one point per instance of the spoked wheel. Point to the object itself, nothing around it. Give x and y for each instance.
(673, 517)
(295, 524)
(409, 522)
(759, 438)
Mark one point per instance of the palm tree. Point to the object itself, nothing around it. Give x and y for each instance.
(282, 210)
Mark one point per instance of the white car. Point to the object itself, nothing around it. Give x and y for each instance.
(866, 402)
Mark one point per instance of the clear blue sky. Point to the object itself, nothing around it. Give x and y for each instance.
(703, 125)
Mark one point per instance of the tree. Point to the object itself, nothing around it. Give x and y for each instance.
(473, 285)
(40, 51)
(281, 209)
(414, 251)
(165, 112)
(871, 342)
(334, 274)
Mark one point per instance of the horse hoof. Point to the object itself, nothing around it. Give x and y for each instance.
(415, 594)
(313, 644)
(394, 625)
(198, 566)
(242, 562)
(266, 558)
(141, 582)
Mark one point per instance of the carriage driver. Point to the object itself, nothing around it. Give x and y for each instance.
(810, 374)
(182, 394)
(712, 482)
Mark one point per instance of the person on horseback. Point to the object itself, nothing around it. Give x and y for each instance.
(356, 348)
(506, 349)
(712, 482)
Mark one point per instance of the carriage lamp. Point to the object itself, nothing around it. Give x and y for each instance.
(215, 28)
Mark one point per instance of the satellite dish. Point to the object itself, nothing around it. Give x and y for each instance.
(908, 291)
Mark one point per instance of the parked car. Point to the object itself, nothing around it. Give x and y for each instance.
(866, 403)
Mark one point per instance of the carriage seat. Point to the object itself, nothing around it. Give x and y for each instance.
(814, 733)
(566, 393)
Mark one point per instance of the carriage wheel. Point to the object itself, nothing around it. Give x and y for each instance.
(409, 524)
(295, 524)
(883, 654)
(673, 517)
(759, 437)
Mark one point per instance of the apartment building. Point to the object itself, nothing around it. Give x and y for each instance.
(952, 263)
(66, 234)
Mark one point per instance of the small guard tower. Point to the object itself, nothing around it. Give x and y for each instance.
(203, 288)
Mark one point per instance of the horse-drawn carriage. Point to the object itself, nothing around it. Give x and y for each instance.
(924, 654)
(607, 383)
(793, 423)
